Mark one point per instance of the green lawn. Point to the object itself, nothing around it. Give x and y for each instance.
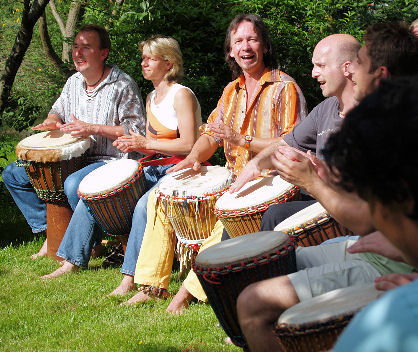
(72, 313)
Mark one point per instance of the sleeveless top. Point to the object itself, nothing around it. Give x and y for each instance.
(162, 118)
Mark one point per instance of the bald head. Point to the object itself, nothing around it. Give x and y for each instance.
(339, 47)
(330, 60)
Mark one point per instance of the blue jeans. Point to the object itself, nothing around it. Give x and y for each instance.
(83, 231)
(26, 199)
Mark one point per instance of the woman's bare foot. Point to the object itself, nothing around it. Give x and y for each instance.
(180, 301)
(42, 252)
(140, 297)
(124, 287)
(64, 269)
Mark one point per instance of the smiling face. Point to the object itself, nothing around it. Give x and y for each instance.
(327, 70)
(154, 67)
(247, 49)
(364, 81)
(87, 55)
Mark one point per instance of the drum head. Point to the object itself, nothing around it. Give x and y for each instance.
(314, 212)
(254, 193)
(108, 177)
(190, 183)
(51, 146)
(241, 248)
(336, 303)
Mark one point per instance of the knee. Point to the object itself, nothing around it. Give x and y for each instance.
(70, 186)
(9, 173)
(248, 303)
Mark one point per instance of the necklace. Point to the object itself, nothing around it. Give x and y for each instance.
(92, 85)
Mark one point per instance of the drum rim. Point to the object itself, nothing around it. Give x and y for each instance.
(290, 193)
(103, 195)
(273, 254)
(176, 199)
(320, 220)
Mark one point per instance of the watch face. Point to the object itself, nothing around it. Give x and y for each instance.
(248, 138)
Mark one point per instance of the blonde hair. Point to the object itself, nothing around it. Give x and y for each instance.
(414, 23)
(169, 49)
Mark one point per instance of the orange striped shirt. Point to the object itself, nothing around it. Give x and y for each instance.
(277, 105)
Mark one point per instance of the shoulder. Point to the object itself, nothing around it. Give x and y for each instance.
(118, 76)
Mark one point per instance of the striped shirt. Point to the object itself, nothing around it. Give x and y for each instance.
(277, 105)
(115, 101)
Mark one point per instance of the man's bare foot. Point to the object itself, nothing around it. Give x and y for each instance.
(180, 301)
(42, 252)
(64, 269)
(140, 297)
(124, 287)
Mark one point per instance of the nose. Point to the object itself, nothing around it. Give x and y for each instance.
(245, 44)
(315, 72)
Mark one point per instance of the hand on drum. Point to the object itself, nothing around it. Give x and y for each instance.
(299, 168)
(78, 128)
(131, 142)
(248, 173)
(222, 131)
(391, 281)
(377, 243)
(188, 162)
(47, 126)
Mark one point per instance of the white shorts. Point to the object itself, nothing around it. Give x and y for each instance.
(327, 267)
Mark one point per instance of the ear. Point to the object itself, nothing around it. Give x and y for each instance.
(104, 53)
(169, 65)
(384, 72)
(231, 54)
(345, 66)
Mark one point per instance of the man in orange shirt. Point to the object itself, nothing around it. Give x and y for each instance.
(256, 109)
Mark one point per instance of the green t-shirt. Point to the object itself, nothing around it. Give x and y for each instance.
(387, 266)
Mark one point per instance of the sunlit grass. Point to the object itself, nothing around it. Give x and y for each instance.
(72, 313)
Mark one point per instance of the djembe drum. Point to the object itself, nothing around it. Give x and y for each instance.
(241, 212)
(188, 198)
(315, 324)
(312, 226)
(111, 192)
(48, 158)
(226, 268)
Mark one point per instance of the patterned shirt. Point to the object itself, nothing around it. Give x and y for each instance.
(115, 101)
(277, 105)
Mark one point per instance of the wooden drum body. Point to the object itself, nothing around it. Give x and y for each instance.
(48, 158)
(315, 324)
(226, 268)
(241, 212)
(189, 198)
(111, 192)
(312, 226)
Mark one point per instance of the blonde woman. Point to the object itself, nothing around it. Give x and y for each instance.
(173, 118)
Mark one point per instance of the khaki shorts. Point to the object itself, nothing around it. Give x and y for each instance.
(328, 267)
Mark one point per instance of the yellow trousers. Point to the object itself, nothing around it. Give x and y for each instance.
(155, 258)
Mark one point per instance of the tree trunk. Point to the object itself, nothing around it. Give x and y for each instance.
(49, 50)
(68, 29)
(30, 16)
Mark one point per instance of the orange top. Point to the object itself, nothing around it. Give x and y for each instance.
(277, 105)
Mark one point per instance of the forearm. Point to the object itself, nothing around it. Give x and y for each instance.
(346, 208)
(170, 147)
(263, 158)
(204, 148)
(111, 132)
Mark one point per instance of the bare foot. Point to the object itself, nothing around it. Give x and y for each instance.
(180, 301)
(64, 269)
(42, 252)
(124, 287)
(140, 297)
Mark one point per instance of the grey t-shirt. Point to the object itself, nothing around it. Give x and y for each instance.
(312, 133)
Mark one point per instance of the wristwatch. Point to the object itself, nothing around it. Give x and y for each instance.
(248, 140)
